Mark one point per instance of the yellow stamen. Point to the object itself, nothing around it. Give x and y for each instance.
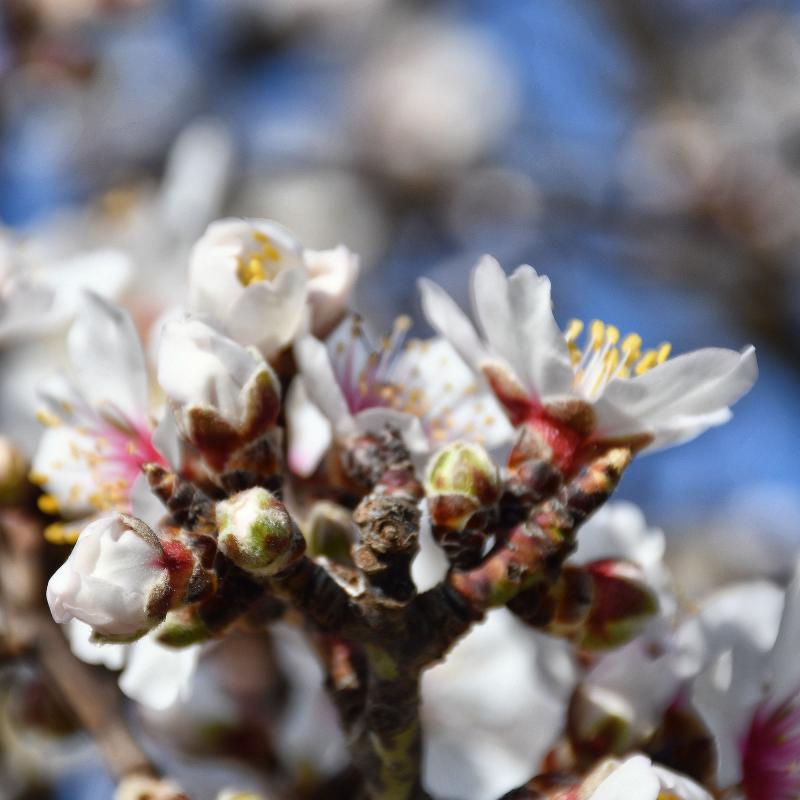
(663, 352)
(48, 504)
(47, 418)
(38, 478)
(574, 329)
(60, 533)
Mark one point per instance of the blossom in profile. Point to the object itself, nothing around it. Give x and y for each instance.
(608, 390)
(422, 388)
(117, 579)
(258, 280)
(99, 432)
(749, 697)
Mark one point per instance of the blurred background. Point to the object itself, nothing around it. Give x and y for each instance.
(646, 156)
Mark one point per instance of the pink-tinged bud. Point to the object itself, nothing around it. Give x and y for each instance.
(117, 579)
(224, 395)
(622, 604)
(257, 533)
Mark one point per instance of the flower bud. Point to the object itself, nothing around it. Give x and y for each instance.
(257, 533)
(224, 394)
(181, 628)
(622, 604)
(117, 579)
(462, 484)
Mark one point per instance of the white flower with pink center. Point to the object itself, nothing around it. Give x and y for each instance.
(99, 433)
(422, 388)
(750, 698)
(609, 390)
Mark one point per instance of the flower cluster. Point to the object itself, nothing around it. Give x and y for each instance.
(389, 494)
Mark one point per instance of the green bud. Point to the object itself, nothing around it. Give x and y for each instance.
(330, 531)
(461, 479)
(257, 533)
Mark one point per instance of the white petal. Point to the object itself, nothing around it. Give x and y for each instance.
(111, 656)
(634, 779)
(517, 317)
(158, 676)
(269, 314)
(166, 440)
(144, 504)
(319, 379)
(723, 696)
(679, 785)
(332, 274)
(451, 322)
(679, 398)
(309, 431)
(108, 360)
(784, 664)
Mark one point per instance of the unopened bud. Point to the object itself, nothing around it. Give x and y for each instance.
(257, 533)
(181, 628)
(224, 395)
(622, 604)
(462, 485)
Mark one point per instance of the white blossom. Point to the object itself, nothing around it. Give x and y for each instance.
(115, 580)
(201, 369)
(422, 388)
(749, 696)
(99, 432)
(638, 778)
(258, 280)
(538, 371)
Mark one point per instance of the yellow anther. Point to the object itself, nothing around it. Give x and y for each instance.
(612, 361)
(48, 504)
(59, 533)
(402, 323)
(47, 418)
(612, 334)
(647, 362)
(632, 343)
(574, 330)
(271, 253)
(251, 271)
(598, 334)
(663, 352)
(38, 478)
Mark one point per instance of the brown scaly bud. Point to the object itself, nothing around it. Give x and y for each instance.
(595, 482)
(188, 505)
(257, 534)
(462, 485)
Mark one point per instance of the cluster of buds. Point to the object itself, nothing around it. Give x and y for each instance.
(326, 521)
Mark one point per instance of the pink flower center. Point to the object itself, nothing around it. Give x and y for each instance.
(771, 753)
(115, 462)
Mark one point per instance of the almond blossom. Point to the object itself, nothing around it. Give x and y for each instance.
(422, 388)
(750, 699)
(99, 432)
(116, 579)
(264, 286)
(608, 390)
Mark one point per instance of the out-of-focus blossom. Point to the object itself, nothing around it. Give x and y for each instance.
(116, 579)
(416, 97)
(638, 778)
(99, 432)
(38, 295)
(608, 391)
(750, 699)
(259, 281)
(422, 388)
(141, 787)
